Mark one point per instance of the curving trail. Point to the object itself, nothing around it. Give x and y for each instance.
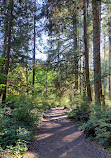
(59, 138)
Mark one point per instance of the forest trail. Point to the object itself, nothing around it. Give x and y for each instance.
(58, 138)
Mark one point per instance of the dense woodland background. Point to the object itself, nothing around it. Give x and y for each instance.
(75, 37)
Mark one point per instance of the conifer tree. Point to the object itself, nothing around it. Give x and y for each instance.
(9, 36)
(96, 50)
(86, 53)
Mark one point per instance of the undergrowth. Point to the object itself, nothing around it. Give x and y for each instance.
(18, 120)
(80, 112)
(94, 120)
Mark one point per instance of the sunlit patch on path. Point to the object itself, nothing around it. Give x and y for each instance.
(58, 138)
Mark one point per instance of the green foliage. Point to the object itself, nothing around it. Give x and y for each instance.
(81, 113)
(89, 129)
(25, 111)
(94, 120)
(17, 124)
(11, 100)
(11, 135)
(75, 101)
(99, 125)
(2, 75)
(1, 86)
(65, 102)
(17, 80)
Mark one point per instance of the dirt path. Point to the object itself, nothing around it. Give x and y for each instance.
(59, 138)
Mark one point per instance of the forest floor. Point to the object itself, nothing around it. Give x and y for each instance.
(58, 138)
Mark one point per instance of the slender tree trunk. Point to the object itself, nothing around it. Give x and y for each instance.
(26, 49)
(59, 67)
(34, 44)
(75, 50)
(110, 54)
(86, 53)
(96, 50)
(46, 81)
(8, 48)
(27, 80)
(80, 77)
(27, 73)
(104, 66)
(84, 76)
(79, 42)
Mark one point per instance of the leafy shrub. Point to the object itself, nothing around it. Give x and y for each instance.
(11, 132)
(103, 128)
(81, 113)
(11, 100)
(99, 125)
(76, 101)
(23, 116)
(95, 121)
(89, 129)
(26, 111)
(17, 125)
(15, 139)
(46, 105)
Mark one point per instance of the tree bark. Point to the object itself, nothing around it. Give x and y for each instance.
(75, 50)
(110, 53)
(80, 77)
(84, 76)
(59, 66)
(104, 65)
(86, 53)
(8, 48)
(96, 50)
(26, 49)
(34, 44)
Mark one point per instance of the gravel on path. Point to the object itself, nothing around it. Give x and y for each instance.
(58, 138)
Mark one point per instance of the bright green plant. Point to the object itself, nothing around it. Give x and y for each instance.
(81, 111)
(17, 123)
(99, 125)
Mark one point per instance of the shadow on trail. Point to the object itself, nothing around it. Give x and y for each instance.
(56, 116)
(58, 127)
(59, 138)
(55, 144)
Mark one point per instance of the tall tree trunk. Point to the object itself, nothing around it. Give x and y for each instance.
(96, 50)
(110, 53)
(80, 77)
(104, 65)
(46, 81)
(8, 48)
(26, 49)
(84, 76)
(59, 66)
(75, 50)
(26, 68)
(34, 43)
(80, 67)
(86, 53)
